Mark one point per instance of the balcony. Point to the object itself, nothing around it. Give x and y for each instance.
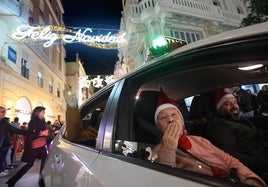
(146, 9)
(10, 7)
(15, 8)
(191, 8)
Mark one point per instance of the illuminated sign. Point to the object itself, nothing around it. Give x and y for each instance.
(54, 34)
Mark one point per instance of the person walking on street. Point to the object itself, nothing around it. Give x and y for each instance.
(5, 129)
(35, 144)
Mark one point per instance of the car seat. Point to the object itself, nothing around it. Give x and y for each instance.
(199, 113)
(144, 124)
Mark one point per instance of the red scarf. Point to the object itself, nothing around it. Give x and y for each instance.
(184, 142)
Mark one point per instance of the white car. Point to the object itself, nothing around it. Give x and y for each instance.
(120, 155)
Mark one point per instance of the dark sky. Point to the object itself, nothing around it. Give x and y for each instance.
(99, 14)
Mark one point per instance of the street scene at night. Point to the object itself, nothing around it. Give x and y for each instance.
(133, 93)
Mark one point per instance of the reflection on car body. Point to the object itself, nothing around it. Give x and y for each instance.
(120, 155)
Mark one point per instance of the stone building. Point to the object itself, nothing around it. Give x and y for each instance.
(31, 75)
(78, 84)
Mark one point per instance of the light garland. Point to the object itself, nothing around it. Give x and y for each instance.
(48, 35)
(97, 82)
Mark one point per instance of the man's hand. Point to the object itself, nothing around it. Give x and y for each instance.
(43, 133)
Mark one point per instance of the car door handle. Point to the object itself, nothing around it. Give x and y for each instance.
(57, 163)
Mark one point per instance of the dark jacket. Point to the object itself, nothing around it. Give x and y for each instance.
(242, 140)
(6, 127)
(29, 154)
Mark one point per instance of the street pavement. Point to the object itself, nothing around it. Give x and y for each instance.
(30, 179)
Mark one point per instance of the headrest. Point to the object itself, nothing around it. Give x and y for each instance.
(146, 105)
(199, 108)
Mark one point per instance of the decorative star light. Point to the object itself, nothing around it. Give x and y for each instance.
(97, 82)
(84, 82)
(109, 79)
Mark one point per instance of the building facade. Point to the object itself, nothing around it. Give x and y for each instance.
(31, 75)
(187, 20)
(78, 84)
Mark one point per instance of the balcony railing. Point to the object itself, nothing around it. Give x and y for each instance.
(187, 7)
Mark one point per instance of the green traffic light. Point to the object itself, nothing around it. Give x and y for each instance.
(159, 41)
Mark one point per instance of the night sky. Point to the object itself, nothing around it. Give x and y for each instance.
(100, 14)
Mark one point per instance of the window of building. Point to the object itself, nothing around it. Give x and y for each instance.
(217, 3)
(41, 7)
(186, 35)
(24, 68)
(58, 91)
(50, 85)
(40, 79)
(239, 10)
(57, 12)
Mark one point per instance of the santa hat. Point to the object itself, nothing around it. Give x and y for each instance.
(164, 102)
(222, 95)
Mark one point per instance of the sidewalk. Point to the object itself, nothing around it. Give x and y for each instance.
(30, 179)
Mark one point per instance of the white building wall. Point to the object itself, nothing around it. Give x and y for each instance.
(193, 19)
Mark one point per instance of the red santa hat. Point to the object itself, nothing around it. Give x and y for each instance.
(164, 102)
(222, 95)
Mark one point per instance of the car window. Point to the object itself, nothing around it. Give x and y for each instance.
(182, 78)
(91, 115)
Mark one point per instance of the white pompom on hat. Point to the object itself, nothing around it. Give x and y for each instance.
(164, 102)
(222, 95)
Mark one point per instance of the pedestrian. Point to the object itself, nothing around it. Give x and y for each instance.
(50, 135)
(35, 144)
(263, 100)
(16, 123)
(194, 153)
(5, 129)
(244, 101)
(254, 102)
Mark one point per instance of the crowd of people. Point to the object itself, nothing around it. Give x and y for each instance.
(31, 139)
(252, 104)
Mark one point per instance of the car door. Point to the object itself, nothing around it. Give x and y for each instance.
(70, 163)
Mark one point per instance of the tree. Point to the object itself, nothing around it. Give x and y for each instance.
(258, 12)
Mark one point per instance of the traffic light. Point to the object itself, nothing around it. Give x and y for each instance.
(159, 42)
(159, 47)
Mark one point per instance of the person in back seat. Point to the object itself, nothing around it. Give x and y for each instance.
(194, 153)
(237, 136)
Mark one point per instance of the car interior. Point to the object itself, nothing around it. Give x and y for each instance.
(191, 85)
(202, 89)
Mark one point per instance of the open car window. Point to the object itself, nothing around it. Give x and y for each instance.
(199, 72)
